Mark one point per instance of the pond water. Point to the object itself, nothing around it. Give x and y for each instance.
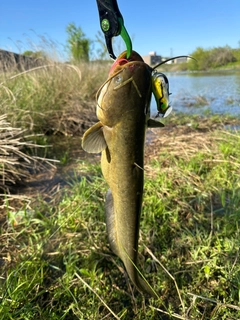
(201, 93)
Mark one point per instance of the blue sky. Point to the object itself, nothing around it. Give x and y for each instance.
(168, 27)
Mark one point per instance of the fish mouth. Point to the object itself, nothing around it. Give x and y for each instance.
(122, 60)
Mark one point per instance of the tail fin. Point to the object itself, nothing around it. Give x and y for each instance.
(129, 264)
(135, 275)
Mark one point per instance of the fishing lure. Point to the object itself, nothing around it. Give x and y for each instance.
(160, 88)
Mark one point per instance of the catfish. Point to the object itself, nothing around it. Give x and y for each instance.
(123, 110)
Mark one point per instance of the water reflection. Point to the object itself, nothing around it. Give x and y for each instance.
(204, 92)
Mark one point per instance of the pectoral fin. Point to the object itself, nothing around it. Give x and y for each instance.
(93, 140)
(154, 124)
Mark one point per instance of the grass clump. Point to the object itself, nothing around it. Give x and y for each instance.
(56, 262)
(197, 214)
(54, 98)
(16, 165)
(197, 101)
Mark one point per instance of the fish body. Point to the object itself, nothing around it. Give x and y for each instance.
(124, 111)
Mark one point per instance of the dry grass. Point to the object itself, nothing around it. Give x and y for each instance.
(55, 98)
(52, 99)
(16, 166)
(185, 136)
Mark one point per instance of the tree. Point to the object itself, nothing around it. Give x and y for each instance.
(35, 54)
(78, 45)
(221, 56)
(201, 57)
(212, 58)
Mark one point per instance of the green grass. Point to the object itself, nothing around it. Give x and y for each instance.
(55, 261)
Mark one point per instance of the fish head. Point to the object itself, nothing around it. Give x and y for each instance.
(127, 89)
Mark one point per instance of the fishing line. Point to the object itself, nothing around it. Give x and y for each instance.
(170, 59)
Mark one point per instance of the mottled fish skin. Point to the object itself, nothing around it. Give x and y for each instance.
(123, 110)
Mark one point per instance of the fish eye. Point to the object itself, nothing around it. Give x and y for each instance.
(118, 79)
(165, 78)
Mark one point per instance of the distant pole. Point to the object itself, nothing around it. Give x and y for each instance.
(171, 52)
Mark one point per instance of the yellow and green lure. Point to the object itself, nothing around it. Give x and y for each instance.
(160, 88)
